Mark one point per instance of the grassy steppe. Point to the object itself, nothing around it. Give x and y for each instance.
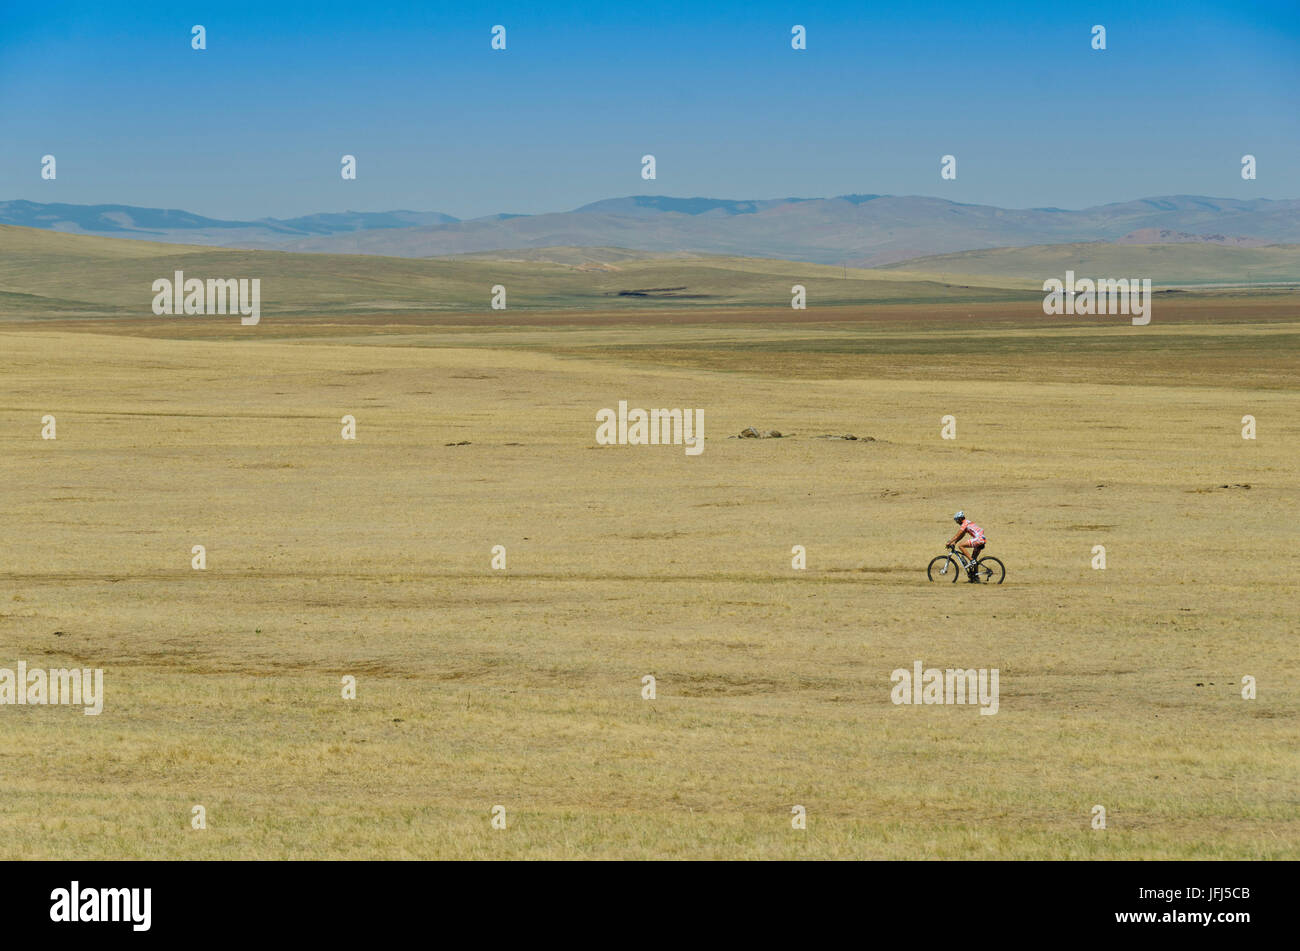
(523, 687)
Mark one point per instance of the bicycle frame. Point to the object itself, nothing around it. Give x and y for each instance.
(961, 556)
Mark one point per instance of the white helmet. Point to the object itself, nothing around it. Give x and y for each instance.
(959, 516)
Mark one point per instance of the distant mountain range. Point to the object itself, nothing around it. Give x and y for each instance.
(857, 230)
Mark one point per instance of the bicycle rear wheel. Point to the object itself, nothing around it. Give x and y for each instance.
(943, 568)
(990, 571)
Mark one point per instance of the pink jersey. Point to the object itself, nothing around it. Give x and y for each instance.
(976, 533)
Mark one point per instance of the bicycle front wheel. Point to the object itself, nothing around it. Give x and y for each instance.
(943, 568)
(990, 571)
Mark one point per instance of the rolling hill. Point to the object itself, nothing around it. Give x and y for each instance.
(49, 275)
(1174, 264)
(45, 274)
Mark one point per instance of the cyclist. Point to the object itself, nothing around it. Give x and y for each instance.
(972, 548)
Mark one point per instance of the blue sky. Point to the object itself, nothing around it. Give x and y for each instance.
(255, 125)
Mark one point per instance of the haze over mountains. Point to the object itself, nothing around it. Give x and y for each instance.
(857, 230)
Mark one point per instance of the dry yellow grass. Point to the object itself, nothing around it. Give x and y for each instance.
(523, 688)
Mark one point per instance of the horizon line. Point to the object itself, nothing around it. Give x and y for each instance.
(738, 201)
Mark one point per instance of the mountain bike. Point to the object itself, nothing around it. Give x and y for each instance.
(952, 566)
